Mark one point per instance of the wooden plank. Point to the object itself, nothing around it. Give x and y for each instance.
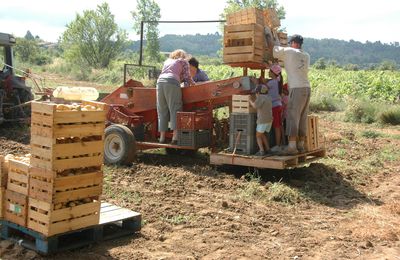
(79, 130)
(67, 150)
(43, 107)
(238, 50)
(67, 117)
(220, 159)
(77, 194)
(116, 215)
(40, 119)
(2, 198)
(74, 224)
(59, 165)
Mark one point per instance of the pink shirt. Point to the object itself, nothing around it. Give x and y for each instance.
(177, 69)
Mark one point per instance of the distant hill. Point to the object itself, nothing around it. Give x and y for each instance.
(197, 44)
(343, 52)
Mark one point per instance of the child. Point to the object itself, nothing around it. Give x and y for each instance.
(274, 91)
(263, 104)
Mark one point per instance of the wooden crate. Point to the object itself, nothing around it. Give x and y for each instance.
(283, 38)
(43, 218)
(52, 187)
(244, 43)
(49, 154)
(3, 172)
(18, 176)
(2, 194)
(47, 121)
(271, 18)
(241, 104)
(312, 141)
(193, 120)
(66, 139)
(15, 207)
(246, 16)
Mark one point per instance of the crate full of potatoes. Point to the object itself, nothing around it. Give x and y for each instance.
(67, 136)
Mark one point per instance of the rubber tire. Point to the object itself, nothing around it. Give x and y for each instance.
(127, 141)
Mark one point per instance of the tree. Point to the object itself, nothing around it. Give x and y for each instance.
(236, 5)
(29, 35)
(148, 10)
(320, 64)
(25, 49)
(94, 38)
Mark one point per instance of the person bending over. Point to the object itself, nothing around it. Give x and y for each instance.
(197, 74)
(169, 93)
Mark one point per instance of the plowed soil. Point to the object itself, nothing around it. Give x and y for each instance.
(345, 206)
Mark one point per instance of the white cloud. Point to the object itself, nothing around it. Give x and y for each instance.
(360, 20)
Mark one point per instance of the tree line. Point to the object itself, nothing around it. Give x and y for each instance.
(94, 40)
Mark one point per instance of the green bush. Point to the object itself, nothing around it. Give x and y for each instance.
(390, 116)
(360, 111)
(324, 103)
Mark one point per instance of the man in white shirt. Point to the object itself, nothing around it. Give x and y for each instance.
(297, 63)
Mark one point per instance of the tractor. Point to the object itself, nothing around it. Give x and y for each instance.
(14, 93)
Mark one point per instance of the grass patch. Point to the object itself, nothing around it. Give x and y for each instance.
(390, 116)
(360, 111)
(324, 103)
(177, 220)
(389, 153)
(370, 134)
(280, 192)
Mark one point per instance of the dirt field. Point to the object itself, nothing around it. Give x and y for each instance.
(346, 206)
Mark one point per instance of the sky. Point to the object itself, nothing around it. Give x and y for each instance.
(359, 20)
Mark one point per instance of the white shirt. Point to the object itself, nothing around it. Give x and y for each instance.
(297, 63)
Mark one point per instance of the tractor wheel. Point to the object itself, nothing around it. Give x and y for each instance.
(119, 145)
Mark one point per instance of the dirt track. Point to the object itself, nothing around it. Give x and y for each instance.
(346, 206)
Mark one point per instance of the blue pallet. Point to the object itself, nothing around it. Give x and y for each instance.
(114, 222)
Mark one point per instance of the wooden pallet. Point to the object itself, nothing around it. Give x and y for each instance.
(114, 222)
(267, 162)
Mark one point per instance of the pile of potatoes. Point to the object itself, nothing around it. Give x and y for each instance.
(77, 107)
(72, 203)
(75, 139)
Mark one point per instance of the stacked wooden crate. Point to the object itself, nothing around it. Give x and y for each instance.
(245, 35)
(242, 132)
(313, 140)
(16, 191)
(194, 129)
(244, 39)
(65, 178)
